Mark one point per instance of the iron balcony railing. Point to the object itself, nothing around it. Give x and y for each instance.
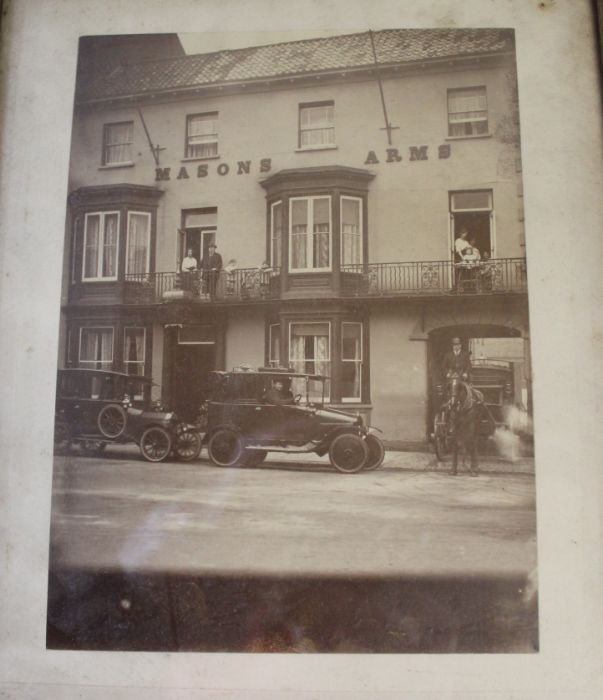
(223, 286)
(431, 278)
(421, 278)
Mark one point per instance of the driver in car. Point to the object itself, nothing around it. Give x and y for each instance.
(278, 395)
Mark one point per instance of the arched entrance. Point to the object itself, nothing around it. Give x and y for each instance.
(500, 360)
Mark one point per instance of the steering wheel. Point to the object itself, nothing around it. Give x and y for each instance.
(297, 398)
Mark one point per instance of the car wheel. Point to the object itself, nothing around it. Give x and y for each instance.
(187, 445)
(155, 444)
(92, 447)
(62, 436)
(253, 458)
(111, 421)
(348, 453)
(376, 453)
(225, 448)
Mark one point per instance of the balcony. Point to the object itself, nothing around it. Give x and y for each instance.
(435, 278)
(375, 280)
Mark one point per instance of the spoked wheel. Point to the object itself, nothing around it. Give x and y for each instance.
(348, 453)
(112, 420)
(155, 444)
(253, 458)
(187, 445)
(92, 448)
(376, 453)
(225, 448)
(440, 436)
(62, 436)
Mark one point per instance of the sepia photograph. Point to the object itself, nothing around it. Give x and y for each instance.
(301, 350)
(294, 393)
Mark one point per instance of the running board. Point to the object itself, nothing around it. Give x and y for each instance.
(308, 447)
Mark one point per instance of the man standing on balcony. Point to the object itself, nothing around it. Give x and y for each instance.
(211, 264)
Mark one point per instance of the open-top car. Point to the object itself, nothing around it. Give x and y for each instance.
(251, 413)
(95, 408)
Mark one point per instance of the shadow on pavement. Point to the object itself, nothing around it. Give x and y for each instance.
(138, 612)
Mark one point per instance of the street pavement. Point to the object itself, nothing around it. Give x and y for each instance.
(293, 516)
(290, 557)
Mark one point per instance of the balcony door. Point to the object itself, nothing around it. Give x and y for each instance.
(473, 210)
(198, 232)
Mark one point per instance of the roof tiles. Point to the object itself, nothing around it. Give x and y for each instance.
(351, 51)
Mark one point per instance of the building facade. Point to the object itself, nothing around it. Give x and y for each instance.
(333, 175)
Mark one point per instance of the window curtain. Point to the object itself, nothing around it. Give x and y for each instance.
(118, 143)
(321, 232)
(350, 232)
(134, 351)
(277, 227)
(202, 136)
(96, 348)
(91, 250)
(467, 112)
(110, 246)
(299, 232)
(138, 244)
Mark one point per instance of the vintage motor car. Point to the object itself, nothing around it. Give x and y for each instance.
(95, 408)
(244, 423)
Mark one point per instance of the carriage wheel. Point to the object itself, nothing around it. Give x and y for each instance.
(376, 453)
(188, 445)
(440, 437)
(111, 421)
(348, 453)
(225, 448)
(155, 444)
(253, 458)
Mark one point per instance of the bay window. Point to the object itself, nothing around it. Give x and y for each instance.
(96, 348)
(351, 231)
(101, 239)
(351, 362)
(139, 240)
(276, 231)
(309, 350)
(310, 233)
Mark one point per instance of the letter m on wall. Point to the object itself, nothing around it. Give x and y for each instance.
(418, 153)
(162, 174)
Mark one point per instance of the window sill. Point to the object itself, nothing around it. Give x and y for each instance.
(116, 166)
(316, 148)
(199, 158)
(463, 138)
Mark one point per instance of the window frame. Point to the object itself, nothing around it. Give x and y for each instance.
(148, 257)
(310, 234)
(449, 93)
(360, 234)
(85, 363)
(187, 145)
(490, 210)
(300, 130)
(111, 163)
(359, 362)
(273, 362)
(273, 261)
(329, 361)
(102, 214)
(126, 362)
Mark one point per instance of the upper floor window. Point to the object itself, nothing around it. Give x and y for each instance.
(101, 238)
(467, 112)
(351, 231)
(139, 239)
(276, 230)
(317, 125)
(202, 135)
(310, 233)
(117, 143)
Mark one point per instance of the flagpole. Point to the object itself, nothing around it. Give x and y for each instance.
(388, 126)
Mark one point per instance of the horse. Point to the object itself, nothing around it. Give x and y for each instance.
(465, 408)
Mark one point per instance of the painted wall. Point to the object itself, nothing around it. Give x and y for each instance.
(245, 339)
(398, 376)
(408, 201)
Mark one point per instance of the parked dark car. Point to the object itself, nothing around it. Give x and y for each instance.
(244, 423)
(95, 408)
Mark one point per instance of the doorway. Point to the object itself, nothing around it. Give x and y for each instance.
(198, 232)
(190, 366)
(473, 210)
